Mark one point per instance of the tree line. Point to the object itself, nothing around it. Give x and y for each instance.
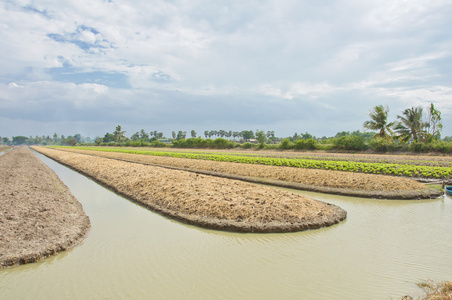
(414, 130)
(46, 140)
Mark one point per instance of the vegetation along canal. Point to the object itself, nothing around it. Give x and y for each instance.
(380, 251)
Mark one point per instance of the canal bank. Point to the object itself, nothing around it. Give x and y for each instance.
(38, 215)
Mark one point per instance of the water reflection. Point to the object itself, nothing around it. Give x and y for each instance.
(379, 252)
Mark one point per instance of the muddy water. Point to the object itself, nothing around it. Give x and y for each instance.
(379, 252)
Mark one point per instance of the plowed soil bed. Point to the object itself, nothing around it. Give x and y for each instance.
(202, 200)
(334, 182)
(38, 214)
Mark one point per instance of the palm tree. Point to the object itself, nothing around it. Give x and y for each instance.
(119, 134)
(379, 121)
(411, 125)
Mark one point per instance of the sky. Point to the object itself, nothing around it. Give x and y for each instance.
(289, 66)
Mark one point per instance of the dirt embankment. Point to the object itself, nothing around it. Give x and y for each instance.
(205, 201)
(326, 181)
(38, 215)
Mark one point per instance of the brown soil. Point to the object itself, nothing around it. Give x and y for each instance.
(205, 201)
(38, 215)
(327, 181)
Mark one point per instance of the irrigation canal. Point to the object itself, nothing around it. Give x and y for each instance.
(380, 252)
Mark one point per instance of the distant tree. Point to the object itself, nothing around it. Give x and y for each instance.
(181, 135)
(19, 140)
(306, 136)
(247, 135)
(213, 133)
(143, 135)
(261, 136)
(6, 141)
(379, 121)
(270, 134)
(119, 134)
(433, 124)
(367, 136)
(135, 136)
(71, 141)
(206, 133)
(108, 138)
(342, 133)
(174, 135)
(78, 137)
(193, 134)
(411, 124)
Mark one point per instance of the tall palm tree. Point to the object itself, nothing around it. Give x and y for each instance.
(411, 125)
(119, 134)
(379, 121)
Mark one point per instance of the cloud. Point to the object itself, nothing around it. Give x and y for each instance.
(315, 66)
(86, 38)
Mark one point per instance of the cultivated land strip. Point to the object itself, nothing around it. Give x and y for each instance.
(326, 181)
(418, 169)
(38, 214)
(205, 201)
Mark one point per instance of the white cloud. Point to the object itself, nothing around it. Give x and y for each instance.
(267, 58)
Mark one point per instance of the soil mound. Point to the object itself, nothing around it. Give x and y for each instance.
(38, 214)
(205, 201)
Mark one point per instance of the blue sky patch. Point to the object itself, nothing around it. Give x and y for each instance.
(70, 74)
(76, 38)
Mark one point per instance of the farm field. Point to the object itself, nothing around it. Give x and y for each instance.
(206, 201)
(328, 181)
(422, 167)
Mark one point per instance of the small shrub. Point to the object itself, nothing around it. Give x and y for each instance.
(286, 144)
(350, 142)
(157, 144)
(247, 146)
(442, 147)
(309, 144)
(221, 143)
(379, 144)
(419, 147)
